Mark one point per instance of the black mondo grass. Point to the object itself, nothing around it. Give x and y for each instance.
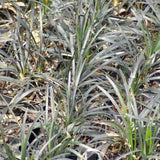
(79, 79)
